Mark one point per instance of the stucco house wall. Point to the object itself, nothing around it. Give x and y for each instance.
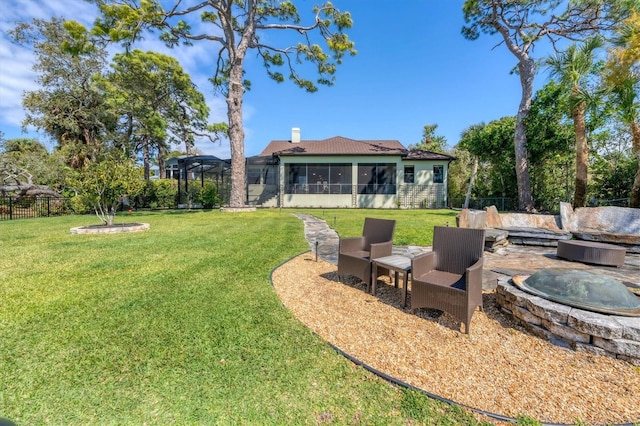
(285, 174)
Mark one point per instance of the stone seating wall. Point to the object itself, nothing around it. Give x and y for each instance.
(614, 225)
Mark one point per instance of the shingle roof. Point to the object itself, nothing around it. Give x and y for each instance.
(339, 145)
(336, 145)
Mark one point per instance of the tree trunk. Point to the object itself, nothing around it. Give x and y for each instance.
(236, 135)
(634, 197)
(580, 192)
(474, 171)
(526, 67)
(111, 214)
(145, 159)
(234, 102)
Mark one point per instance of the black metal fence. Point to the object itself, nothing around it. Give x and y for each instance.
(28, 207)
(501, 203)
(511, 204)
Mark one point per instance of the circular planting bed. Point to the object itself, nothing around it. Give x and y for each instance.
(110, 229)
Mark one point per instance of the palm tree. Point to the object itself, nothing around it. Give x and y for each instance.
(625, 95)
(573, 67)
(622, 78)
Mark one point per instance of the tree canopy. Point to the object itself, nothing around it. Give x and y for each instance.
(235, 28)
(574, 67)
(522, 25)
(156, 102)
(68, 105)
(431, 141)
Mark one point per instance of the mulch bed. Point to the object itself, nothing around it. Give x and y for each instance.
(499, 367)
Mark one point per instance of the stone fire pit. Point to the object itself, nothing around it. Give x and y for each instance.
(616, 336)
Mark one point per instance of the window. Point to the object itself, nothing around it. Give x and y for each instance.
(311, 178)
(318, 178)
(438, 174)
(172, 172)
(376, 178)
(340, 178)
(409, 174)
(296, 178)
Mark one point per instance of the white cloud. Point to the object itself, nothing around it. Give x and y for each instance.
(16, 62)
(16, 69)
(17, 78)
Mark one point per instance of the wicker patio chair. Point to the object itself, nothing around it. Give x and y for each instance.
(449, 278)
(355, 253)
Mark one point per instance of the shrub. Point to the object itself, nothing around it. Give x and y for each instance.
(159, 193)
(208, 196)
(80, 204)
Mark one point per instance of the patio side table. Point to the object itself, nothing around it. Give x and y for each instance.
(399, 264)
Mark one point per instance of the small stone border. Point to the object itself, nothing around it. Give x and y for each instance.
(611, 335)
(114, 229)
(237, 209)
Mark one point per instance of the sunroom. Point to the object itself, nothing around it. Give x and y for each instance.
(346, 173)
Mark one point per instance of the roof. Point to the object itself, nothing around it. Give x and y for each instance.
(192, 161)
(339, 145)
(418, 154)
(203, 159)
(336, 145)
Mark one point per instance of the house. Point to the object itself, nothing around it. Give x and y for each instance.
(349, 173)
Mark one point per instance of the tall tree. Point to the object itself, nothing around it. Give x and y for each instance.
(68, 105)
(237, 27)
(612, 164)
(523, 25)
(27, 168)
(627, 98)
(622, 78)
(573, 67)
(430, 141)
(157, 102)
(490, 144)
(552, 142)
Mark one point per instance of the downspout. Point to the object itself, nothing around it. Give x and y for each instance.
(446, 192)
(276, 162)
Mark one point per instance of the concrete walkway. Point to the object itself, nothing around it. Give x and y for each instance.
(508, 261)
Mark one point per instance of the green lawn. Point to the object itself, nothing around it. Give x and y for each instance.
(413, 227)
(180, 325)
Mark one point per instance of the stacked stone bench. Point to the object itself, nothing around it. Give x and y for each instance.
(612, 225)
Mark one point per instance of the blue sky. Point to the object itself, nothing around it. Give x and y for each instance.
(413, 68)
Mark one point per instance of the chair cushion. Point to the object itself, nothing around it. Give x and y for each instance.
(443, 279)
(359, 254)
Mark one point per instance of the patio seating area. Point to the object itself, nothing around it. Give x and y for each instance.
(500, 368)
